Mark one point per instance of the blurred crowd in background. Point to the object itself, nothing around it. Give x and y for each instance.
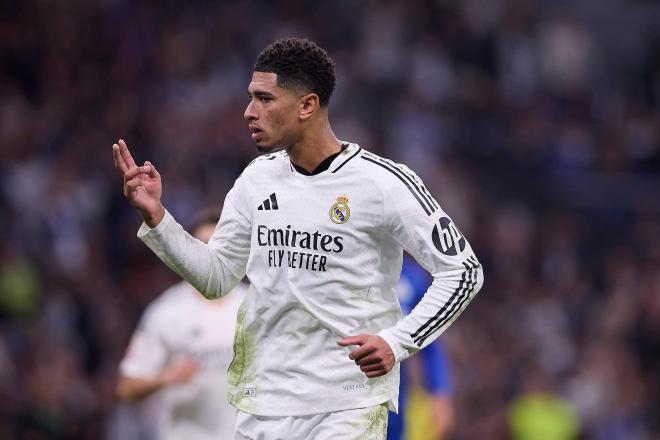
(536, 124)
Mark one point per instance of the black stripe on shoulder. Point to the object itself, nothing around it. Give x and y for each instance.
(347, 160)
(426, 209)
(412, 178)
(403, 178)
(421, 185)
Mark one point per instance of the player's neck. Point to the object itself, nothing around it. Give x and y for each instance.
(314, 147)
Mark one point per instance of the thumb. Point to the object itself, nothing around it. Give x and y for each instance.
(152, 169)
(353, 340)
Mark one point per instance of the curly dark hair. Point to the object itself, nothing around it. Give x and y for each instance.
(299, 62)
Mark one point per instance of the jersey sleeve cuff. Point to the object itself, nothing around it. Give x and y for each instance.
(145, 231)
(400, 353)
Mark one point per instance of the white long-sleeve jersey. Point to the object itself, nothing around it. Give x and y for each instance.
(323, 254)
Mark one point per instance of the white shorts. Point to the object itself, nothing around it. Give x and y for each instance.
(352, 424)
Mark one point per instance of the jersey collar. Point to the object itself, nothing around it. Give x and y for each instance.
(333, 162)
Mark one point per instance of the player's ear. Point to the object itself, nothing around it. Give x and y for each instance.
(308, 105)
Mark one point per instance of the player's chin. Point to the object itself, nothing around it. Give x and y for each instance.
(267, 147)
(262, 145)
(263, 148)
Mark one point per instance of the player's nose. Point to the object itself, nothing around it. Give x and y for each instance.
(250, 113)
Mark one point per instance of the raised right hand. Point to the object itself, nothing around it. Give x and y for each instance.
(142, 185)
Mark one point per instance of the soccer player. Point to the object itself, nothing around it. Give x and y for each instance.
(319, 225)
(432, 416)
(180, 354)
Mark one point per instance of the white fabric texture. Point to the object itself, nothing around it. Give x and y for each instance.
(352, 424)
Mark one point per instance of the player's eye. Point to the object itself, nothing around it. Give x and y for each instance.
(265, 98)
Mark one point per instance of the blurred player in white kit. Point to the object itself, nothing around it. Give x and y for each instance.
(179, 356)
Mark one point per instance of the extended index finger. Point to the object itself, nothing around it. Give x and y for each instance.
(126, 155)
(353, 340)
(119, 161)
(361, 352)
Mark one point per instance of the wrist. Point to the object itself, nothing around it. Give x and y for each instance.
(153, 219)
(398, 352)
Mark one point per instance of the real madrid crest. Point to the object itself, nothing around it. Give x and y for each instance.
(339, 211)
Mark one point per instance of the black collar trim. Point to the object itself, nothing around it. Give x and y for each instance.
(323, 166)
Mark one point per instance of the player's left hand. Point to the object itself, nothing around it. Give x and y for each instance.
(374, 355)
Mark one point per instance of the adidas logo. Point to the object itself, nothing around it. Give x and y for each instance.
(269, 203)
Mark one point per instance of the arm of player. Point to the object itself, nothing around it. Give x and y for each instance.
(214, 268)
(136, 388)
(436, 368)
(441, 408)
(426, 232)
(144, 368)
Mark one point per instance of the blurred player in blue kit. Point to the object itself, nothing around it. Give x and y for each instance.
(426, 377)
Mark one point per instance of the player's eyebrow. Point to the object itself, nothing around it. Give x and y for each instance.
(260, 94)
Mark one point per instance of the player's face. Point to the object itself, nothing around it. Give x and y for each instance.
(272, 113)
